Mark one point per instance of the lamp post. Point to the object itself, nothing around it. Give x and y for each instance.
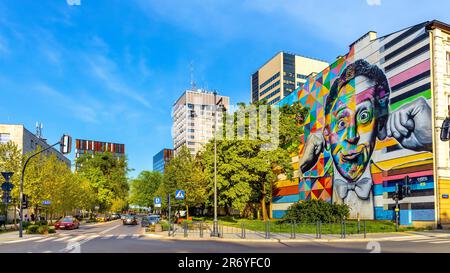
(215, 231)
(65, 148)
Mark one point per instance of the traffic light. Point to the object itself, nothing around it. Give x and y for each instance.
(398, 194)
(25, 203)
(407, 186)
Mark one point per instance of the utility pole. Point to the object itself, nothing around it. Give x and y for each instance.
(215, 231)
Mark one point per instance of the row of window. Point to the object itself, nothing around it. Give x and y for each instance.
(276, 92)
(274, 101)
(269, 80)
(301, 76)
(269, 88)
(4, 138)
(448, 63)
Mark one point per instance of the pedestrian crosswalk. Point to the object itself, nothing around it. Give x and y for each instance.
(65, 238)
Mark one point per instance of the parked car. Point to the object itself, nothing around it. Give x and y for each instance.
(67, 223)
(130, 220)
(115, 216)
(102, 218)
(150, 220)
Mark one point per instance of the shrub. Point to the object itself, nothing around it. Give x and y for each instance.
(51, 230)
(41, 223)
(32, 229)
(312, 211)
(42, 230)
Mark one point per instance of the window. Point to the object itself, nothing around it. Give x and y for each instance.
(448, 63)
(4, 138)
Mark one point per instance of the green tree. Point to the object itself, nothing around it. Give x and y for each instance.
(246, 168)
(184, 172)
(144, 187)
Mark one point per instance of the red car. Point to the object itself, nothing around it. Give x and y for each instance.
(67, 223)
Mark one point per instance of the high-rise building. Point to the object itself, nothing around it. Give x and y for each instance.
(27, 141)
(377, 111)
(193, 119)
(161, 159)
(91, 146)
(281, 75)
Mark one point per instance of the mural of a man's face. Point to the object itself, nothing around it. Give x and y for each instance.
(351, 130)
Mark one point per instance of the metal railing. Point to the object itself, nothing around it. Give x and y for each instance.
(272, 230)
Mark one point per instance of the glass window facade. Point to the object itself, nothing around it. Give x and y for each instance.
(161, 159)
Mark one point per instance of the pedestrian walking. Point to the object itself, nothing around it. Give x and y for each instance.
(33, 217)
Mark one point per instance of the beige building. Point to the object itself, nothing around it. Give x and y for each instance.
(281, 75)
(27, 141)
(193, 119)
(440, 67)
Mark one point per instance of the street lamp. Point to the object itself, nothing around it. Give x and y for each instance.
(65, 148)
(215, 231)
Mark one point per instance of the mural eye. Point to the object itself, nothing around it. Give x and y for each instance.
(341, 124)
(364, 116)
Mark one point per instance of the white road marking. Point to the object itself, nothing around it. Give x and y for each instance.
(136, 235)
(46, 239)
(61, 239)
(109, 229)
(121, 236)
(107, 236)
(406, 238)
(425, 240)
(441, 242)
(48, 251)
(77, 238)
(23, 240)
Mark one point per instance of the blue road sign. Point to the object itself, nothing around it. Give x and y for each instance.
(157, 200)
(7, 186)
(46, 202)
(179, 194)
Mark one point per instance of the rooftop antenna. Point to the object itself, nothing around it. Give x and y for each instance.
(39, 128)
(193, 87)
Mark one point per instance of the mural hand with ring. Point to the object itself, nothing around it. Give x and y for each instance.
(410, 125)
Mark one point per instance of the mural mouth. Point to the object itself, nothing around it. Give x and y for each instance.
(351, 156)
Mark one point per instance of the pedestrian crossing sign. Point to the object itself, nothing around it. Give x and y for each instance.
(179, 194)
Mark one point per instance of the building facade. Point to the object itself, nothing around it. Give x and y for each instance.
(27, 142)
(161, 159)
(91, 146)
(193, 119)
(281, 75)
(375, 116)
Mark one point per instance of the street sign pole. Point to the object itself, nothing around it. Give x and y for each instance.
(170, 221)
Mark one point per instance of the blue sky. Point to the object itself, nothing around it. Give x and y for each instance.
(110, 70)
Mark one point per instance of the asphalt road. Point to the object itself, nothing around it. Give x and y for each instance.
(113, 237)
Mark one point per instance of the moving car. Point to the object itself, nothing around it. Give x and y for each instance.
(130, 220)
(150, 220)
(67, 223)
(115, 216)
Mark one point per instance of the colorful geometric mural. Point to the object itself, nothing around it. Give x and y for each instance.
(369, 126)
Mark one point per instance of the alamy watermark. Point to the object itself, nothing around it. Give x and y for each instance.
(73, 2)
(195, 122)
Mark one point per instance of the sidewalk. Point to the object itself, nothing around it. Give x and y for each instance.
(286, 237)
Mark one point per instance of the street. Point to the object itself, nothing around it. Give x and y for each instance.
(113, 237)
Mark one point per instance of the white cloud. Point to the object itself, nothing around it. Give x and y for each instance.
(374, 2)
(105, 70)
(82, 111)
